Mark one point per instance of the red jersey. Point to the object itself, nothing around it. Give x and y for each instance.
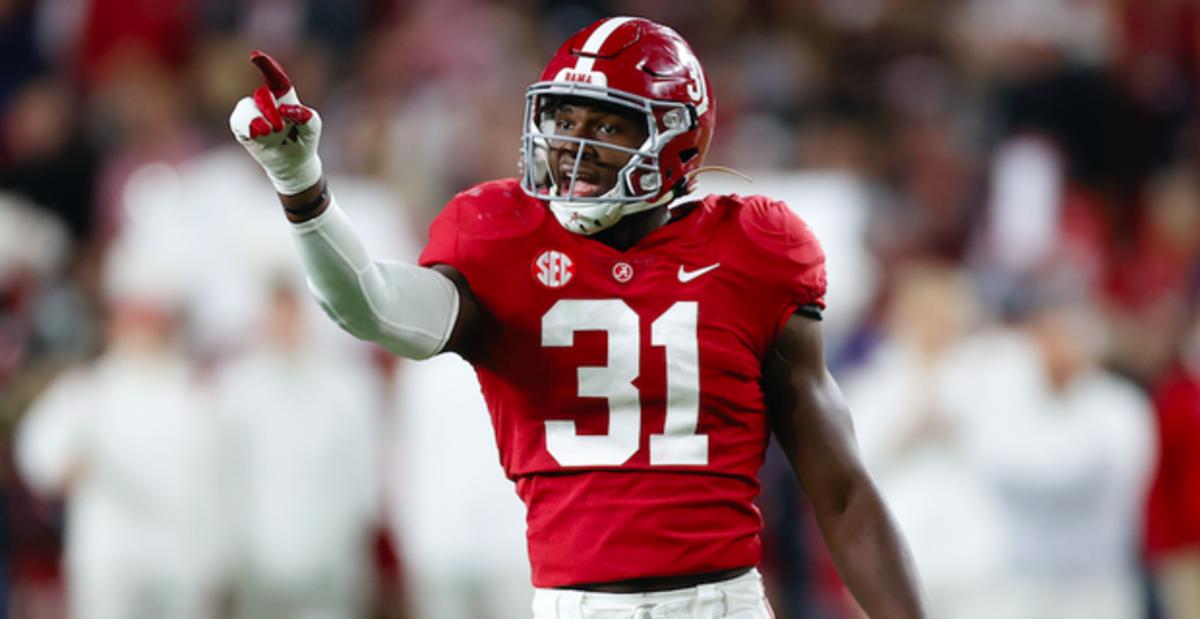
(624, 387)
(1173, 507)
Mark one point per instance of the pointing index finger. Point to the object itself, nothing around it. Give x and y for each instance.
(277, 80)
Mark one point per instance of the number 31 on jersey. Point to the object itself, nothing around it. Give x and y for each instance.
(674, 330)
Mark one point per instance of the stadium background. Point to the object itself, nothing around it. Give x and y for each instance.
(988, 177)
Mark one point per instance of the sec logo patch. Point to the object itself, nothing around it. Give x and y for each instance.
(553, 269)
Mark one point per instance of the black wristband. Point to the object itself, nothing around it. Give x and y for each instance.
(308, 211)
(810, 310)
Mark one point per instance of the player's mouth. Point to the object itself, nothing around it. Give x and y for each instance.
(586, 184)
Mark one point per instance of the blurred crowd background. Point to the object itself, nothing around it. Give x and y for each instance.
(1008, 192)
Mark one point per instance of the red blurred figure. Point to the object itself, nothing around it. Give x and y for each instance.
(1173, 512)
(117, 29)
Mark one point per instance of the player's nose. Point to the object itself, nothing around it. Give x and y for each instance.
(569, 150)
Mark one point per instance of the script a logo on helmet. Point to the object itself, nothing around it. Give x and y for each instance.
(553, 269)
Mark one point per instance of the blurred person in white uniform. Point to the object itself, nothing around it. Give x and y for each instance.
(455, 514)
(301, 460)
(129, 441)
(1067, 447)
(226, 248)
(912, 439)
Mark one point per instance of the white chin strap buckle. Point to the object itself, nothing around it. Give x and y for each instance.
(592, 217)
(585, 219)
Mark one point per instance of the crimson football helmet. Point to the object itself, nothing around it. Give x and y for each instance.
(636, 65)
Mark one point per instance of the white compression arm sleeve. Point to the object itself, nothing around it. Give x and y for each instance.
(409, 310)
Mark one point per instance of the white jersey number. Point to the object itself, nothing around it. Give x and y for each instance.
(674, 330)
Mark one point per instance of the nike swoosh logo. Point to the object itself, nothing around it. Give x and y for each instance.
(686, 276)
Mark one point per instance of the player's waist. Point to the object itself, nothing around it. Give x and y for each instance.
(647, 530)
(666, 583)
(741, 595)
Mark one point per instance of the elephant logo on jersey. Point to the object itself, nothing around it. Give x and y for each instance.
(553, 269)
(622, 272)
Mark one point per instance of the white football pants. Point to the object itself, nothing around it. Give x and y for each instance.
(737, 598)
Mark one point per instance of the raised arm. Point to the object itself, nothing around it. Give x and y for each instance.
(412, 311)
(811, 423)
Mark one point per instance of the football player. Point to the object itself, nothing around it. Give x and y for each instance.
(635, 344)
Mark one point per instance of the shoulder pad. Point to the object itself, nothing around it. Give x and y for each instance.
(791, 254)
(495, 210)
(774, 227)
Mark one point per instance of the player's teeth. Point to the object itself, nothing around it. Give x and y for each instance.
(584, 188)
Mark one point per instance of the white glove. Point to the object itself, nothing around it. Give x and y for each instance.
(278, 131)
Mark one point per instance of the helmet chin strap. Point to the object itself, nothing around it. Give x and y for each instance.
(588, 218)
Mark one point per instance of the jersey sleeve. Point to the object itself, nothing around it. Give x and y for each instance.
(795, 261)
(474, 225)
(442, 247)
